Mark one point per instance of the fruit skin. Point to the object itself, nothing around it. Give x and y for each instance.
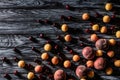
(110, 54)
(82, 79)
(80, 71)
(44, 56)
(59, 75)
(85, 16)
(112, 42)
(67, 64)
(103, 29)
(68, 38)
(108, 6)
(76, 58)
(30, 75)
(91, 74)
(101, 44)
(99, 63)
(64, 27)
(109, 71)
(117, 63)
(94, 37)
(47, 47)
(21, 64)
(38, 69)
(106, 19)
(95, 27)
(55, 60)
(118, 34)
(99, 53)
(88, 52)
(89, 63)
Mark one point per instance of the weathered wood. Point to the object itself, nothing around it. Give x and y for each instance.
(19, 21)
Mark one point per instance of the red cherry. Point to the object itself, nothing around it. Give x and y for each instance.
(7, 76)
(87, 30)
(112, 27)
(62, 17)
(67, 6)
(71, 51)
(41, 35)
(69, 17)
(113, 16)
(56, 47)
(91, 24)
(16, 59)
(16, 72)
(97, 14)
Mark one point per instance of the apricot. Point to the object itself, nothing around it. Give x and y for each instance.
(108, 6)
(85, 16)
(106, 19)
(64, 27)
(112, 42)
(94, 37)
(95, 27)
(103, 29)
(118, 34)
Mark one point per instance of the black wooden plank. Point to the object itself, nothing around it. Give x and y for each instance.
(18, 21)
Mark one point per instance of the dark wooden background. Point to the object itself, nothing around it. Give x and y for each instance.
(19, 21)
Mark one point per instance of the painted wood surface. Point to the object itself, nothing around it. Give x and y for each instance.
(19, 21)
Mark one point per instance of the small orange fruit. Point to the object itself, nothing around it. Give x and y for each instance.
(68, 38)
(106, 19)
(94, 37)
(95, 27)
(64, 27)
(112, 42)
(99, 53)
(108, 6)
(118, 34)
(103, 29)
(67, 64)
(85, 16)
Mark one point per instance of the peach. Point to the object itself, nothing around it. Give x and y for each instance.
(110, 53)
(88, 53)
(80, 71)
(59, 75)
(99, 63)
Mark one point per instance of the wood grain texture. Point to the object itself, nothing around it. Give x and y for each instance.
(19, 21)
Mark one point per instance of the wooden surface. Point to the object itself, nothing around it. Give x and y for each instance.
(19, 21)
